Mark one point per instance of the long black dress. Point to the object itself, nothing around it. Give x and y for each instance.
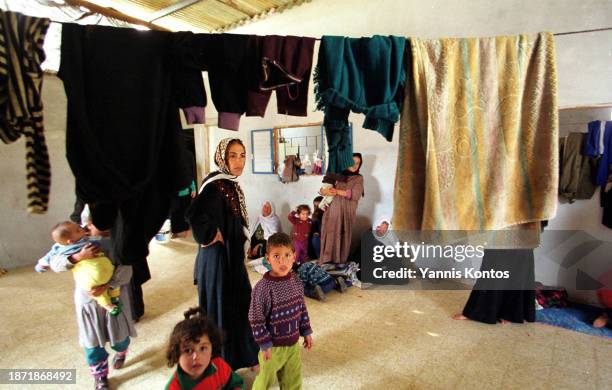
(510, 299)
(224, 289)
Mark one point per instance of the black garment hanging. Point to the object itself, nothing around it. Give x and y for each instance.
(122, 139)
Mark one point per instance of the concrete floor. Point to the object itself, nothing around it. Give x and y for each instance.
(364, 339)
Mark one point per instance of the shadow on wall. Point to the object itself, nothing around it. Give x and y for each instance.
(282, 210)
(367, 204)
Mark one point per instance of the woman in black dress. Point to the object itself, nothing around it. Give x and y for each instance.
(219, 221)
(503, 300)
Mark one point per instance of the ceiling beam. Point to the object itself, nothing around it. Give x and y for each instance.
(171, 9)
(113, 13)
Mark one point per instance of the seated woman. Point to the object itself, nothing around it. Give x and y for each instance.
(266, 224)
(381, 234)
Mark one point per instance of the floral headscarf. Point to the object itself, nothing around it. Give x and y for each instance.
(220, 160)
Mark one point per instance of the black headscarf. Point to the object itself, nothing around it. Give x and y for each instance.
(347, 172)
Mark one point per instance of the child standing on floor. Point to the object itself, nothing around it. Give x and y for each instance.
(195, 349)
(300, 219)
(278, 317)
(96, 325)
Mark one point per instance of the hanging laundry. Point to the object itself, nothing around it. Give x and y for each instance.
(21, 109)
(281, 64)
(576, 173)
(226, 59)
(192, 98)
(478, 143)
(363, 75)
(122, 137)
(602, 131)
(593, 145)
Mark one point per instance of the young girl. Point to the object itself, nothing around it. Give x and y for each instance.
(195, 344)
(300, 219)
(96, 325)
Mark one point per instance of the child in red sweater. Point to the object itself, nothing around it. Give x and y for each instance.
(195, 347)
(302, 224)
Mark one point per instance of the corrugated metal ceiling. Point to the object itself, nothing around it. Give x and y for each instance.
(205, 15)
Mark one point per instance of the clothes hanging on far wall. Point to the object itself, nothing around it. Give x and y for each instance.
(282, 64)
(602, 131)
(478, 147)
(363, 75)
(21, 107)
(576, 170)
(122, 137)
(593, 145)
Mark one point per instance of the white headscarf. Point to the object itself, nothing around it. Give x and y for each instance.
(270, 224)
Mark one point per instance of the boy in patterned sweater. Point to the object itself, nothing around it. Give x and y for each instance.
(278, 317)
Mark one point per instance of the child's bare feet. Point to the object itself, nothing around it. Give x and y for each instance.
(460, 317)
(505, 322)
(600, 321)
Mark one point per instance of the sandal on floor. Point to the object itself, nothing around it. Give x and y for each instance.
(119, 361)
(101, 383)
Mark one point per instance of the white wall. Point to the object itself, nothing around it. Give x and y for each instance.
(584, 70)
(24, 238)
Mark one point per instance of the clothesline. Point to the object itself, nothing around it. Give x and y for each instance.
(555, 34)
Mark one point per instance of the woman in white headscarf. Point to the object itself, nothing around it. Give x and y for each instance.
(263, 227)
(383, 232)
(219, 221)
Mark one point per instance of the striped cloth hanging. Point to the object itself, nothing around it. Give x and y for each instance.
(21, 109)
